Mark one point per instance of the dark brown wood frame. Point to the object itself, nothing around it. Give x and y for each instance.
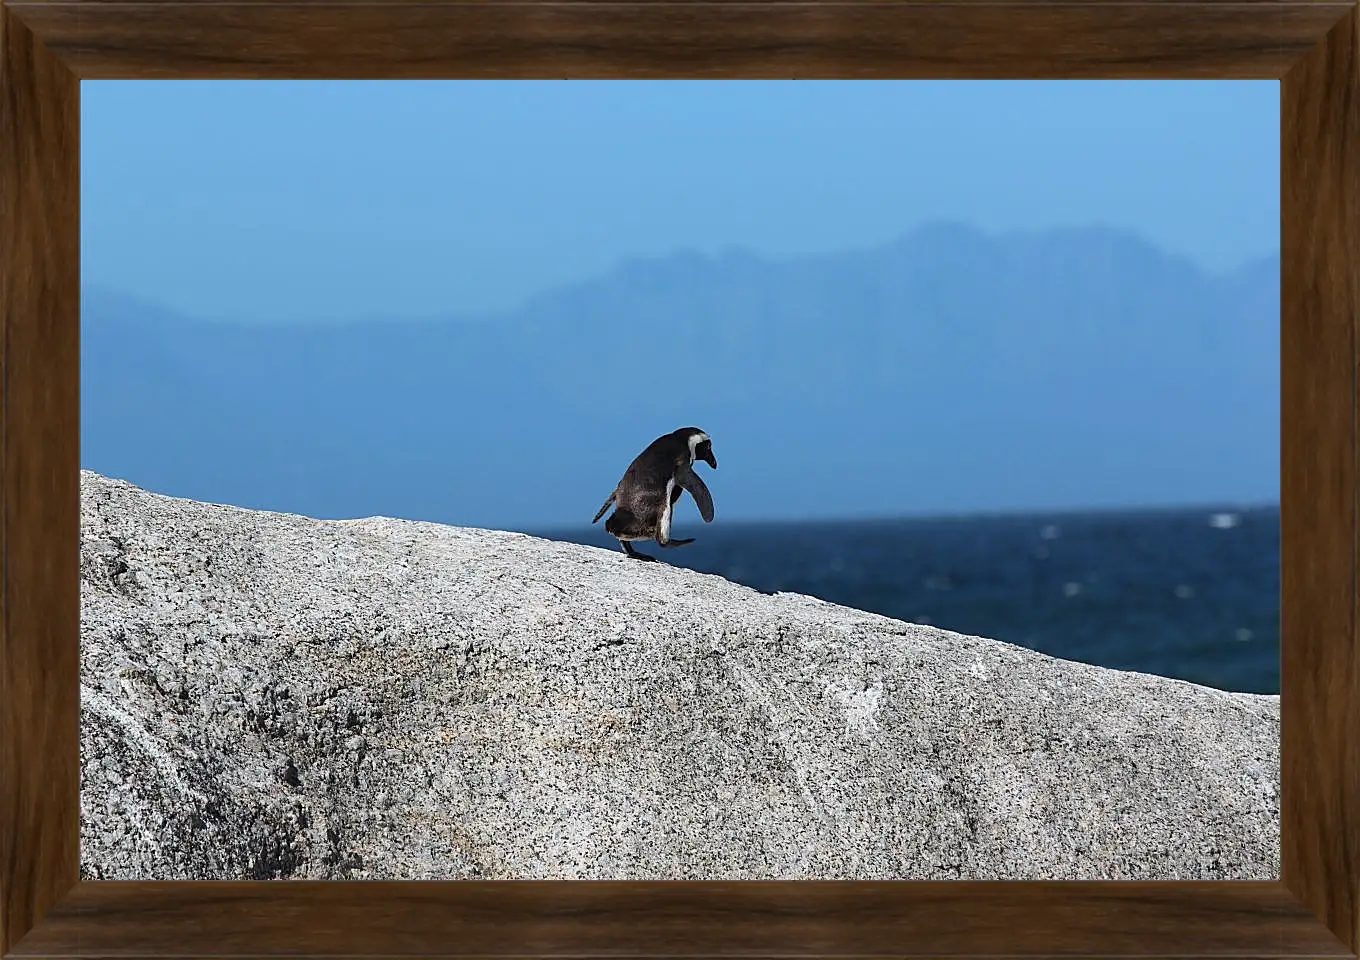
(47, 46)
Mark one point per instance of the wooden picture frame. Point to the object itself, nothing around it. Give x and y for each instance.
(48, 46)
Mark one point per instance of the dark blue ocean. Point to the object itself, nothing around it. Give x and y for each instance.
(1186, 593)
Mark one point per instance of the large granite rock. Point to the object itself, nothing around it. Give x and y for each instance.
(267, 695)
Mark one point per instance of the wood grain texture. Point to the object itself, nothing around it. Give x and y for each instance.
(45, 44)
(751, 919)
(1320, 456)
(1340, 5)
(852, 40)
(39, 479)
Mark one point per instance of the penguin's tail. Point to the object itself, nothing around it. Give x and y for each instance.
(606, 506)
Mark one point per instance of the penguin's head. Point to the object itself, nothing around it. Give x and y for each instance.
(704, 451)
(700, 447)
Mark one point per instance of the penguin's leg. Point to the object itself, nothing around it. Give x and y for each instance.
(628, 549)
(663, 530)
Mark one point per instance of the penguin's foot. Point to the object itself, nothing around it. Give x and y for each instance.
(628, 549)
(675, 543)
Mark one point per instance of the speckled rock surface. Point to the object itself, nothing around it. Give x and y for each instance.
(268, 695)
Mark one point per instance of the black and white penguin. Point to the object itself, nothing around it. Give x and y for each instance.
(652, 484)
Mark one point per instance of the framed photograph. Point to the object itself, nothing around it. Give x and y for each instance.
(311, 645)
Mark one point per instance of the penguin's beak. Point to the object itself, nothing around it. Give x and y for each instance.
(711, 460)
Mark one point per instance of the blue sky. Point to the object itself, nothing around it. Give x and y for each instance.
(338, 200)
(1127, 379)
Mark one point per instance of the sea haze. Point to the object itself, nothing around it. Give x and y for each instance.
(949, 371)
(1188, 593)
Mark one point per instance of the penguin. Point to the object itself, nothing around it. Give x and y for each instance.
(653, 482)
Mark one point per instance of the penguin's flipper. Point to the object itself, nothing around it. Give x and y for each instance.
(692, 482)
(606, 505)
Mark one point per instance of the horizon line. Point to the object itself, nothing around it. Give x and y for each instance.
(1209, 508)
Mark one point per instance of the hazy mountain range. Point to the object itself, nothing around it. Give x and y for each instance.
(948, 371)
